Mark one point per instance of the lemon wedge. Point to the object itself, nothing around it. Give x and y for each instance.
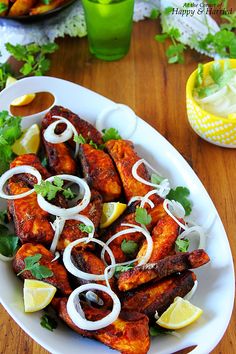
(29, 141)
(23, 100)
(179, 314)
(37, 295)
(110, 212)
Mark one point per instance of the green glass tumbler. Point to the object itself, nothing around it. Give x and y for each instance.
(109, 26)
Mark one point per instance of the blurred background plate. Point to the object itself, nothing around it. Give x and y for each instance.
(36, 18)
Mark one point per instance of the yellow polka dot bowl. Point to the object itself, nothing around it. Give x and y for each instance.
(215, 129)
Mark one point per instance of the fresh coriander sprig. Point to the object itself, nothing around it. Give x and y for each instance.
(50, 189)
(8, 244)
(129, 247)
(81, 140)
(142, 216)
(48, 322)
(85, 228)
(110, 134)
(181, 194)
(38, 271)
(175, 51)
(182, 244)
(124, 268)
(10, 131)
(3, 7)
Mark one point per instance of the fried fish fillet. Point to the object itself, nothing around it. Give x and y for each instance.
(124, 157)
(31, 160)
(129, 334)
(88, 262)
(164, 236)
(59, 158)
(59, 278)
(86, 129)
(160, 295)
(72, 231)
(100, 173)
(139, 275)
(31, 222)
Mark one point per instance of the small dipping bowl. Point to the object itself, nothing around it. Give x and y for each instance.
(214, 129)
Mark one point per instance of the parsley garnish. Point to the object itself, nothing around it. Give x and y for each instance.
(121, 269)
(110, 134)
(175, 51)
(182, 244)
(49, 190)
(44, 162)
(38, 271)
(129, 247)
(156, 331)
(10, 131)
(219, 76)
(79, 139)
(85, 228)
(3, 7)
(142, 216)
(154, 14)
(8, 244)
(3, 216)
(180, 194)
(48, 322)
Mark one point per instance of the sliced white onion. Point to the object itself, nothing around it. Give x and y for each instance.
(176, 209)
(93, 297)
(190, 294)
(138, 198)
(57, 256)
(133, 228)
(79, 273)
(78, 317)
(162, 189)
(196, 230)
(215, 96)
(52, 137)
(145, 199)
(57, 226)
(15, 171)
(57, 211)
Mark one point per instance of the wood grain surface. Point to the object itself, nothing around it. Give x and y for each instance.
(156, 91)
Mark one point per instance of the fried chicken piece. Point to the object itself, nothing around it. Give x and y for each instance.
(72, 232)
(31, 160)
(88, 262)
(31, 222)
(100, 173)
(86, 129)
(139, 275)
(124, 157)
(59, 278)
(164, 236)
(59, 158)
(129, 334)
(160, 295)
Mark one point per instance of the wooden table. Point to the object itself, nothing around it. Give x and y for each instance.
(156, 91)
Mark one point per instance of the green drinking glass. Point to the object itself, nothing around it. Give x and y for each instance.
(109, 26)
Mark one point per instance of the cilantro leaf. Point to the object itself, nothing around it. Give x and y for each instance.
(129, 247)
(10, 131)
(79, 139)
(180, 194)
(92, 143)
(161, 37)
(110, 134)
(85, 228)
(44, 162)
(175, 53)
(8, 245)
(155, 13)
(48, 322)
(49, 190)
(156, 331)
(3, 7)
(142, 217)
(3, 217)
(37, 270)
(124, 268)
(182, 244)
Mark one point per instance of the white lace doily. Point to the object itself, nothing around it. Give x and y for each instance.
(68, 22)
(71, 22)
